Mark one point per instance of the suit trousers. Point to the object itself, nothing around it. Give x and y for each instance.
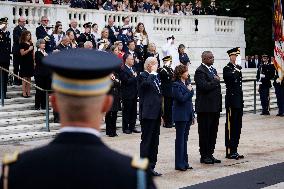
(181, 156)
(40, 96)
(264, 98)
(167, 113)
(279, 91)
(5, 77)
(233, 128)
(129, 114)
(16, 67)
(110, 120)
(150, 140)
(207, 129)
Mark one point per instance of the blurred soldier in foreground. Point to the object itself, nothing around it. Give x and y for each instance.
(5, 50)
(234, 105)
(279, 87)
(77, 157)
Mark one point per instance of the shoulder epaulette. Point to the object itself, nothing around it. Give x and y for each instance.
(139, 163)
(10, 158)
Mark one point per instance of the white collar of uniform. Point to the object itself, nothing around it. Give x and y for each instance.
(209, 67)
(71, 129)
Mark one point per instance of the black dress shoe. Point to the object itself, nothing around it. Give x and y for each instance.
(215, 160)
(265, 113)
(168, 126)
(188, 167)
(235, 156)
(181, 169)
(206, 160)
(127, 131)
(136, 131)
(280, 115)
(155, 174)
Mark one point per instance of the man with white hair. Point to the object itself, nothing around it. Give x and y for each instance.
(74, 29)
(44, 32)
(88, 45)
(150, 114)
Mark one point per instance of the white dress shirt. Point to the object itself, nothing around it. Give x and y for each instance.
(71, 129)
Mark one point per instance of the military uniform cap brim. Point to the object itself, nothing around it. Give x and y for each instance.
(87, 25)
(82, 63)
(234, 51)
(4, 20)
(167, 58)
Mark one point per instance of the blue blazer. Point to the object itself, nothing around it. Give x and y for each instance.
(182, 102)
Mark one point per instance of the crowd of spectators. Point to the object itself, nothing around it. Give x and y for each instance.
(145, 6)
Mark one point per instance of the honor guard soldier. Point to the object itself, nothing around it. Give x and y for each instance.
(265, 73)
(234, 105)
(87, 36)
(5, 50)
(166, 76)
(77, 157)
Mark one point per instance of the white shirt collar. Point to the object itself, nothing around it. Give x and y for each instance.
(209, 67)
(80, 130)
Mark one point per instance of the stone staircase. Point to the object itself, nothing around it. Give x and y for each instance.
(20, 122)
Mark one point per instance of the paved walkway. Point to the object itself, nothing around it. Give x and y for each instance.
(262, 143)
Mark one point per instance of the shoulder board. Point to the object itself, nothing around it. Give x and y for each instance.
(10, 158)
(139, 163)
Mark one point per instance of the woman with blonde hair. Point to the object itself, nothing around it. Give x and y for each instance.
(104, 43)
(152, 52)
(27, 62)
(120, 49)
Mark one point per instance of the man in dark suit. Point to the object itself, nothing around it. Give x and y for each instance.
(17, 32)
(112, 30)
(251, 63)
(212, 9)
(87, 36)
(77, 157)
(264, 75)
(166, 74)
(44, 32)
(151, 109)
(5, 50)
(64, 44)
(131, 50)
(73, 28)
(125, 33)
(234, 105)
(128, 77)
(208, 105)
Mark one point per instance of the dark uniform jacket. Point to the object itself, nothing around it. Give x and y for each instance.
(73, 160)
(87, 37)
(128, 83)
(41, 34)
(76, 32)
(233, 79)
(166, 75)
(111, 35)
(268, 71)
(17, 32)
(183, 58)
(5, 47)
(150, 94)
(208, 91)
(62, 47)
(182, 102)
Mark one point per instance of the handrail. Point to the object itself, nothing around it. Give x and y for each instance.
(34, 85)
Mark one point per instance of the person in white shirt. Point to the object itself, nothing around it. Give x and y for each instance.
(171, 50)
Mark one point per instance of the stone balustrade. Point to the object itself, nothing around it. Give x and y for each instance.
(215, 33)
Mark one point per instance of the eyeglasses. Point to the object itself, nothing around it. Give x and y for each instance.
(45, 20)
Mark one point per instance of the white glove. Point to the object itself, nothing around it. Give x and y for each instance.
(262, 76)
(170, 41)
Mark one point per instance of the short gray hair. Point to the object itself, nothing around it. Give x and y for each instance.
(39, 41)
(205, 54)
(149, 61)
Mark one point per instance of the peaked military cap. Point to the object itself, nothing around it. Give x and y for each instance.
(167, 58)
(264, 56)
(87, 25)
(4, 20)
(171, 37)
(235, 51)
(82, 72)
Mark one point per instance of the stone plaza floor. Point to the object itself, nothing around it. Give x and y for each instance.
(262, 143)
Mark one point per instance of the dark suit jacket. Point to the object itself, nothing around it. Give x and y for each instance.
(73, 160)
(40, 68)
(234, 91)
(75, 32)
(151, 98)
(208, 91)
(111, 35)
(182, 102)
(17, 32)
(41, 34)
(128, 84)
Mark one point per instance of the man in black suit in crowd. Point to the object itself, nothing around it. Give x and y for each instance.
(73, 28)
(44, 32)
(5, 50)
(208, 105)
(151, 110)
(64, 44)
(128, 77)
(131, 50)
(234, 104)
(251, 63)
(77, 157)
(87, 36)
(166, 74)
(112, 30)
(212, 9)
(17, 32)
(257, 61)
